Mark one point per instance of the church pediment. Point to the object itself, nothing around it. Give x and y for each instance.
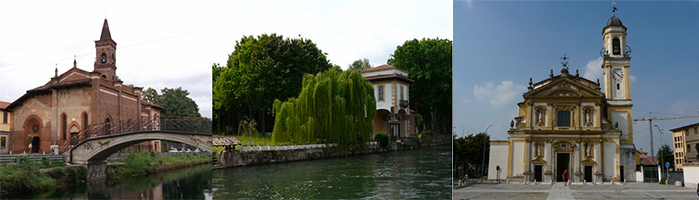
(565, 87)
(73, 74)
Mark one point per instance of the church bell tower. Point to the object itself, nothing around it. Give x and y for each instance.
(616, 77)
(105, 61)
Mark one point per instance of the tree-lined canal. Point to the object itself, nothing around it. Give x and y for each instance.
(415, 174)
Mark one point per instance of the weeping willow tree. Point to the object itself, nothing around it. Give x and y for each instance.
(333, 107)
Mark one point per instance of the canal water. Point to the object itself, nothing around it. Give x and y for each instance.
(190, 183)
(415, 174)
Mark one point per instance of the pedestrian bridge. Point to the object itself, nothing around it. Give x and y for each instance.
(95, 145)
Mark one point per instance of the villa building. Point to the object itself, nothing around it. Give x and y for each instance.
(391, 89)
(5, 124)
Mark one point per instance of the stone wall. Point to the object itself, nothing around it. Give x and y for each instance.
(691, 176)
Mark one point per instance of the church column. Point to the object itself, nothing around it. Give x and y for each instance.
(580, 116)
(578, 156)
(549, 160)
(599, 159)
(527, 159)
(531, 114)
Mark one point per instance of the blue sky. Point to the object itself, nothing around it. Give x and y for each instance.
(499, 45)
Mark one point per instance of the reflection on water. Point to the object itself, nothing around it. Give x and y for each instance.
(191, 183)
(417, 174)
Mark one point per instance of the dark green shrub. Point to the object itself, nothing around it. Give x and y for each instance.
(137, 163)
(382, 138)
(76, 174)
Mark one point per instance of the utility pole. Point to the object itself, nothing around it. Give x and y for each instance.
(484, 145)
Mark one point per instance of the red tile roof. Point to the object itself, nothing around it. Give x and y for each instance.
(4, 104)
(379, 68)
(392, 76)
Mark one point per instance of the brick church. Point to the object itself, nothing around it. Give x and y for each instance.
(70, 102)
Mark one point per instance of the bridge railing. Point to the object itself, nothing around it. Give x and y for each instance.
(181, 124)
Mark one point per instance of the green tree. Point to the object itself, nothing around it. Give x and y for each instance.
(260, 70)
(666, 154)
(150, 95)
(360, 64)
(333, 107)
(429, 63)
(468, 151)
(175, 102)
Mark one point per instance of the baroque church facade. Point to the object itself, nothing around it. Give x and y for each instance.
(51, 114)
(567, 123)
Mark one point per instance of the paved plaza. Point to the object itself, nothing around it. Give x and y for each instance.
(575, 191)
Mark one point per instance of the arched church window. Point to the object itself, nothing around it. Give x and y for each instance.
(84, 121)
(108, 126)
(64, 125)
(103, 58)
(616, 46)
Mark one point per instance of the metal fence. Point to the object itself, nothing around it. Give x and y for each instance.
(32, 157)
(179, 124)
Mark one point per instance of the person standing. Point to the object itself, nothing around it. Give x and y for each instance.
(565, 177)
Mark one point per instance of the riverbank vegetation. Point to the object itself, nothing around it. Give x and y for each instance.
(334, 106)
(25, 175)
(138, 163)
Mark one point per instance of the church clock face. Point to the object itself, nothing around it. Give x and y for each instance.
(617, 74)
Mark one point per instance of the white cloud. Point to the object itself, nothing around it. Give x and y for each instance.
(593, 69)
(633, 78)
(505, 93)
(680, 106)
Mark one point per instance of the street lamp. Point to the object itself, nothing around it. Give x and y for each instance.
(662, 162)
(484, 145)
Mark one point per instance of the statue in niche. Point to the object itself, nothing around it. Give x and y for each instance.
(540, 112)
(588, 116)
(588, 149)
(539, 147)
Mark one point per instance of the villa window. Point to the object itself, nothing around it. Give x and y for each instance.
(3, 142)
(689, 148)
(563, 118)
(381, 92)
(4, 117)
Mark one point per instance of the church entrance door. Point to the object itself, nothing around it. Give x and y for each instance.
(562, 161)
(35, 145)
(537, 173)
(588, 173)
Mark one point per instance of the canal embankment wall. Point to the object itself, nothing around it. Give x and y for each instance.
(259, 155)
